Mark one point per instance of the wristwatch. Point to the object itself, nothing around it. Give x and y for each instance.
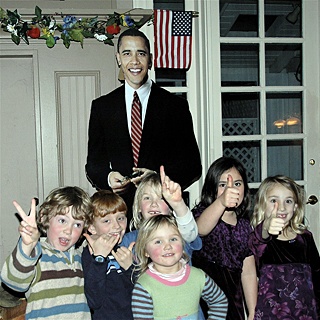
(99, 258)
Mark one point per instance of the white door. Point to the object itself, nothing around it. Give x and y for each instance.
(259, 98)
(46, 97)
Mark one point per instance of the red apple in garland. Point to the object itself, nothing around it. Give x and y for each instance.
(113, 29)
(34, 32)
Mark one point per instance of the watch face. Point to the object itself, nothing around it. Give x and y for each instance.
(99, 259)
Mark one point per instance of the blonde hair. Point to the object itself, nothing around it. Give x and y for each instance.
(58, 202)
(153, 180)
(296, 223)
(147, 228)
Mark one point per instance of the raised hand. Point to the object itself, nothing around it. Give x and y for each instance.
(124, 256)
(230, 196)
(101, 245)
(171, 190)
(273, 224)
(28, 228)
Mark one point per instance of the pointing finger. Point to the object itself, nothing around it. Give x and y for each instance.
(162, 174)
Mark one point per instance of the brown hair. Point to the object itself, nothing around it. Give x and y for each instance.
(58, 202)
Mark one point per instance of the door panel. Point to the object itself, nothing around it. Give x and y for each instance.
(19, 172)
(46, 97)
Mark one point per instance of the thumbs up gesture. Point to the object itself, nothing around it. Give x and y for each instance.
(272, 224)
(230, 196)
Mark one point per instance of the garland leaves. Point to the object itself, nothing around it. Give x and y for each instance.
(71, 29)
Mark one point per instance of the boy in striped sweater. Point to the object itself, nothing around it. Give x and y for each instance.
(48, 269)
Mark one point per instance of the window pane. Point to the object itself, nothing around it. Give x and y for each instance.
(285, 157)
(240, 114)
(248, 153)
(284, 112)
(283, 64)
(282, 18)
(171, 77)
(239, 18)
(239, 65)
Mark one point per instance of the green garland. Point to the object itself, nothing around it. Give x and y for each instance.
(72, 29)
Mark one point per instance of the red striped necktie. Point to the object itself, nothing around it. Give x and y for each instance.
(136, 127)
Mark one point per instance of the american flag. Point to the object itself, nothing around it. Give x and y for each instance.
(173, 39)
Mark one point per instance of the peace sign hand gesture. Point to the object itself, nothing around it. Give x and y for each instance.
(28, 228)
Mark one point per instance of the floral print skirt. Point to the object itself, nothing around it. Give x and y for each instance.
(286, 292)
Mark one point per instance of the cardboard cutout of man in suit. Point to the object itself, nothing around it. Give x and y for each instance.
(167, 138)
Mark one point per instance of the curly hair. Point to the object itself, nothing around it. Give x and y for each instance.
(147, 228)
(58, 202)
(211, 184)
(296, 223)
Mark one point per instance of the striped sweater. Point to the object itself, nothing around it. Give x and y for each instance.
(51, 279)
(154, 298)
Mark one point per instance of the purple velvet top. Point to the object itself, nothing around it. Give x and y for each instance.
(226, 245)
(289, 274)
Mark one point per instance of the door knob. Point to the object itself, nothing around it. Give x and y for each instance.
(312, 200)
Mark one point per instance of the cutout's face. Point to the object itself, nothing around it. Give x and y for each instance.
(134, 60)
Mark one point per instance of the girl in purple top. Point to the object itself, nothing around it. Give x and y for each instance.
(223, 224)
(286, 254)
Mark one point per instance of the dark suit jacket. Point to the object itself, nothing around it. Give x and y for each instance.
(167, 139)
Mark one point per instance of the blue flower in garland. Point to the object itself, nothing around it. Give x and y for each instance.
(69, 22)
(127, 21)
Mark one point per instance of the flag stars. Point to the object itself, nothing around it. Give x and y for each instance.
(182, 25)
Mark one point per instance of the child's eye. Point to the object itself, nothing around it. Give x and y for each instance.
(157, 242)
(273, 201)
(121, 218)
(238, 184)
(61, 220)
(289, 201)
(78, 225)
(106, 221)
(174, 239)
(222, 185)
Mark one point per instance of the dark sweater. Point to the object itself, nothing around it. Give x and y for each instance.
(108, 288)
